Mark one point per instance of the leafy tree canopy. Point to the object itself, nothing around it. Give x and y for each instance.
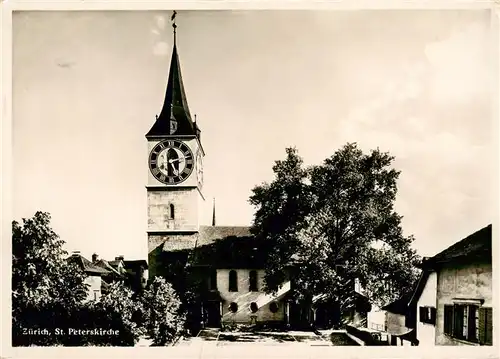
(162, 308)
(333, 222)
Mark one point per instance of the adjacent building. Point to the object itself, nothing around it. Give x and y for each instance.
(94, 275)
(453, 301)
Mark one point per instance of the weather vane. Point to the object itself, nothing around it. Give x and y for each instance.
(173, 19)
(174, 25)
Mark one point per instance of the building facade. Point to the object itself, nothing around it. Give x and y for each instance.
(454, 297)
(426, 311)
(94, 275)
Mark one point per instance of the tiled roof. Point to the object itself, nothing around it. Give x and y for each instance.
(477, 245)
(208, 234)
(205, 235)
(231, 252)
(221, 247)
(105, 264)
(86, 265)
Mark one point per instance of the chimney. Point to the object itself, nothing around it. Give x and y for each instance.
(95, 257)
(119, 258)
(76, 253)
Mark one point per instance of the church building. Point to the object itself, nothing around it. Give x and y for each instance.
(216, 270)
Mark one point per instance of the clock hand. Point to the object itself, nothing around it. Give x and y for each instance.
(176, 160)
(175, 172)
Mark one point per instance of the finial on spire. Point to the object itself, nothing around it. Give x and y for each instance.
(213, 215)
(174, 25)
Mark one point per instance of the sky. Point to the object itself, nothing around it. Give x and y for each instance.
(87, 87)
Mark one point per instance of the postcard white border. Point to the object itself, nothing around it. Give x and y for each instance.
(207, 350)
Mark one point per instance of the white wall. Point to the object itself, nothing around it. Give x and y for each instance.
(376, 319)
(426, 333)
(244, 298)
(94, 290)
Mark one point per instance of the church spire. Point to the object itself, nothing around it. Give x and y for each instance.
(213, 215)
(175, 118)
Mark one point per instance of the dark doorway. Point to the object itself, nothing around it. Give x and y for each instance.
(212, 314)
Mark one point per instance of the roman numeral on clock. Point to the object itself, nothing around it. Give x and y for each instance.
(155, 171)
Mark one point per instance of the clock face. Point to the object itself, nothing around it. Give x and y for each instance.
(199, 167)
(171, 161)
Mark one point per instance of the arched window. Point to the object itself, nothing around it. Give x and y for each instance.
(233, 281)
(172, 211)
(213, 279)
(253, 281)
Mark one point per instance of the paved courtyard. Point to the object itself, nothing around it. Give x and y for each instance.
(215, 337)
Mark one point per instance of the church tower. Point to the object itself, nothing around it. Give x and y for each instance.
(175, 172)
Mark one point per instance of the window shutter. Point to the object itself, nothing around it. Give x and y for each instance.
(448, 319)
(489, 326)
(458, 321)
(421, 314)
(471, 324)
(433, 316)
(482, 325)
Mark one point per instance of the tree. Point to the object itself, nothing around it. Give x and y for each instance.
(49, 293)
(323, 223)
(161, 303)
(45, 288)
(119, 310)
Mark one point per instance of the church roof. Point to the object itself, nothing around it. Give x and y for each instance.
(222, 247)
(175, 117)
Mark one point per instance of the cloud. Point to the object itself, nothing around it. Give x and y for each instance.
(459, 65)
(160, 22)
(161, 48)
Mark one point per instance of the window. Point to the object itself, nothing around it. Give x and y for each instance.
(469, 322)
(233, 307)
(233, 281)
(254, 307)
(253, 281)
(213, 280)
(273, 307)
(427, 315)
(96, 294)
(172, 211)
